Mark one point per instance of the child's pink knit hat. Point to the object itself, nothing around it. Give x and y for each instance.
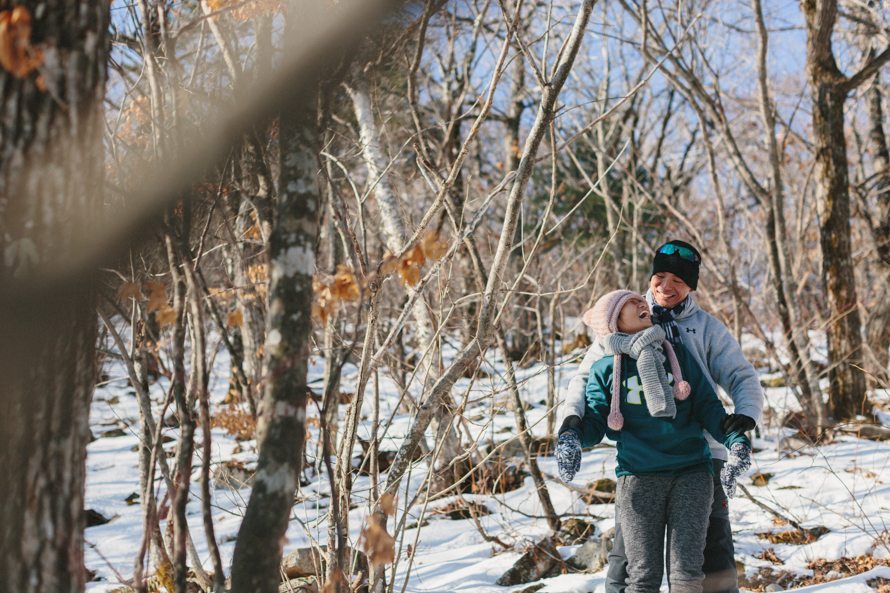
(603, 320)
(603, 317)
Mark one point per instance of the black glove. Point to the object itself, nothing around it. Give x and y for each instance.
(738, 423)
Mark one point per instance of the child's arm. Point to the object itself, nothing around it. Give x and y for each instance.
(583, 427)
(598, 390)
(571, 409)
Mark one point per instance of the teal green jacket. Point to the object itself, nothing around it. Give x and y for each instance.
(646, 444)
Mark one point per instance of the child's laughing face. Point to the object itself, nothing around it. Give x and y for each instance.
(634, 316)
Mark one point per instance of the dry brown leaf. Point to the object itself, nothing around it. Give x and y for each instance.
(129, 290)
(388, 504)
(17, 55)
(157, 295)
(434, 247)
(769, 555)
(390, 264)
(235, 319)
(409, 272)
(344, 286)
(237, 422)
(323, 305)
(414, 256)
(258, 273)
(376, 542)
(320, 313)
(166, 316)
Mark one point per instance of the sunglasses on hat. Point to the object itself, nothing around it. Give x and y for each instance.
(683, 252)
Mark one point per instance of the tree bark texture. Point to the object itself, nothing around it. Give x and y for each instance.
(829, 88)
(282, 410)
(789, 315)
(878, 322)
(47, 343)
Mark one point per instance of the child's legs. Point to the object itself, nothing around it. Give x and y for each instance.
(642, 513)
(688, 509)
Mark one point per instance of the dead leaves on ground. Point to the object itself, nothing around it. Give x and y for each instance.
(797, 537)
(769, 555)
(822, 571)
(237, 422)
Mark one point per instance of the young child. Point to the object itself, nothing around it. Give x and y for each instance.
(652, 399)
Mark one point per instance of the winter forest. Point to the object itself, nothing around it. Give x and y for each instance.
(295, 294)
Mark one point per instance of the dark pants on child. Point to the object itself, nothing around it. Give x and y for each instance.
(719, 554)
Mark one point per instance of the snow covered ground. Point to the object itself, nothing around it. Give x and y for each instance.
(843, 486)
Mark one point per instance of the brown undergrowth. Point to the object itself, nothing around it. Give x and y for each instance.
(823, 571)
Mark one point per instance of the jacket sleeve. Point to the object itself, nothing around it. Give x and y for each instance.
(706, 406)
(593, 423)
(573, 401)
(730, 370)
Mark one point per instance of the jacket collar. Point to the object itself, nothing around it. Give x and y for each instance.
(689, 310)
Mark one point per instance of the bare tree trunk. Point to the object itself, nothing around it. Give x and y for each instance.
(282, 414)
(520, 334)
(795, 335)
(877, 329)
(184, 411)
(829, 89)
(48, 343)
(396, 235)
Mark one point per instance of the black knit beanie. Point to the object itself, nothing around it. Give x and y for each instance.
(678, 258)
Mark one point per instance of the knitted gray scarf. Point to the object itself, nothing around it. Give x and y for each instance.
(646, 348)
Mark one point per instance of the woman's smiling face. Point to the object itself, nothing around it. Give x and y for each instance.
(634, 316)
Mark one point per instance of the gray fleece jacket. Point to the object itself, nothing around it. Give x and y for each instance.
(715, 351)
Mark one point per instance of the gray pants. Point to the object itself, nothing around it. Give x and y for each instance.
(719, 566)
(646, 508)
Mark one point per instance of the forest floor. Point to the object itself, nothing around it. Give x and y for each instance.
(838, 492)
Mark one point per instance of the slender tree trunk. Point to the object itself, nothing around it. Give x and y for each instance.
(829, 88)
(282, 413)
(795, 335)
(184, 410)
(877, 329)
(520, 334)
(396, 235)
(50, 174)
